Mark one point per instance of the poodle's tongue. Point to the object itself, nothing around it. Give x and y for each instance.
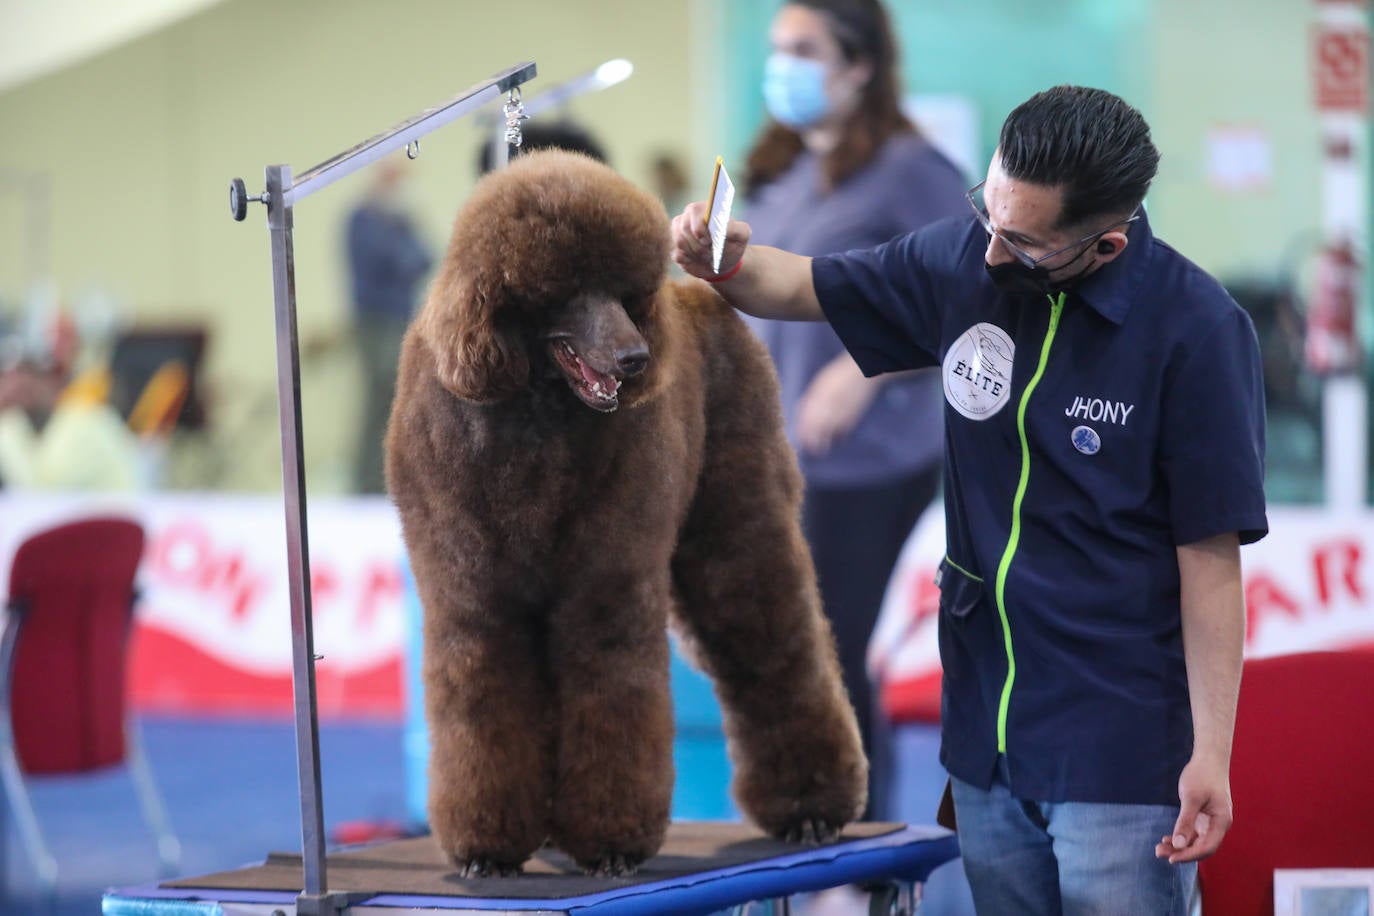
(600, 387)
(595, 379)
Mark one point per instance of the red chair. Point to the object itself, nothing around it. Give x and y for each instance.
(62, 657)
(1302, 777)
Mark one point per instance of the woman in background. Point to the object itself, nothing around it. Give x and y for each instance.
(838, 167)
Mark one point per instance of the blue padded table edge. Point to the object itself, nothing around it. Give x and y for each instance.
(909, 854)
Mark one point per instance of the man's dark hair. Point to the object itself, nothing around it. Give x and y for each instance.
(1086, 141)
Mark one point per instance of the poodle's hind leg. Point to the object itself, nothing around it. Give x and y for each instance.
(491, 732)
(751, 617)
(609, 648)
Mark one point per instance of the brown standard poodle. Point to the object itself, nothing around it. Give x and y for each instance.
(582, 451)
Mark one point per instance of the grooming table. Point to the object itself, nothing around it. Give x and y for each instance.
(703, 867)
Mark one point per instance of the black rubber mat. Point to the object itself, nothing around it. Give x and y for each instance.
(418, 867)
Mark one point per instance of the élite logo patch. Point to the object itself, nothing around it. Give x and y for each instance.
(977, 371)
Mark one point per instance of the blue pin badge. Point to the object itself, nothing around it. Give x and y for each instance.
(1086, 440)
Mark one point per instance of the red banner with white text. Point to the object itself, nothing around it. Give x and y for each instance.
(213, 623)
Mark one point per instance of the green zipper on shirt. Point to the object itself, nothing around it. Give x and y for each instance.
(1056, 309)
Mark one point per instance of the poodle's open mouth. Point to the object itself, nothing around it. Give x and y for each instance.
(597, 390)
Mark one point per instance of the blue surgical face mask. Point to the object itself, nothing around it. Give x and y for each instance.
(794, 90)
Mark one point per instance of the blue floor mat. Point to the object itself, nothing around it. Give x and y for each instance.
(231, 791)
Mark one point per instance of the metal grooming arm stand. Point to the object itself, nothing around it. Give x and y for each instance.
(602, 77)
(281, 196)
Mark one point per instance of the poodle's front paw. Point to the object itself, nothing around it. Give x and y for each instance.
(811, 831)
(611, 865)
(485, 867)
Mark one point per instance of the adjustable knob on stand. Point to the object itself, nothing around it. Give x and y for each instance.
(238, 199)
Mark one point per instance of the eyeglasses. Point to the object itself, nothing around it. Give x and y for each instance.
(1022, 255)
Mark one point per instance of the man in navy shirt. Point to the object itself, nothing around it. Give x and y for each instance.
(1104, 426)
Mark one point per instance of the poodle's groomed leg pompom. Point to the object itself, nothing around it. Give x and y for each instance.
(491, 745)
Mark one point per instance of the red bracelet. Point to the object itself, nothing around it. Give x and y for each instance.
(728, 274)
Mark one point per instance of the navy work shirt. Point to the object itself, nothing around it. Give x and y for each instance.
(1087, 437)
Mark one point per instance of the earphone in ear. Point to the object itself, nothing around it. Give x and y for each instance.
(1105, 247)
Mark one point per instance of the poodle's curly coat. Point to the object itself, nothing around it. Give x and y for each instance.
(581, 450)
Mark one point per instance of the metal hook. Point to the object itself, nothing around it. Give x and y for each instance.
(413, 149)
(514, 111)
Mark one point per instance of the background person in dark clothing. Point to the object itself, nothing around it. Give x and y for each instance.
(386, 261)
(839, 167)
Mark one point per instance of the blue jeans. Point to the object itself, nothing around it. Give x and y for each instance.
(1073, 858)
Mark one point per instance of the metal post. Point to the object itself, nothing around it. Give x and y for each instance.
(280, 197)
(11, 776)
(1342, 97)
(280, 224)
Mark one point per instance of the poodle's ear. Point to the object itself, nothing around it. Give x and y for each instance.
(477, 356)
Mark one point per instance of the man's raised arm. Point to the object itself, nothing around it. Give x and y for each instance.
(767, 283)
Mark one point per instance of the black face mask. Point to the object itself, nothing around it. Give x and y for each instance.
(1016, 279)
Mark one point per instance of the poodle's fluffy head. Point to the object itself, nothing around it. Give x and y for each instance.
(553, 276)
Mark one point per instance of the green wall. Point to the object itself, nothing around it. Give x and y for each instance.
(1222, 63)
(993, 52)
(1189, 65)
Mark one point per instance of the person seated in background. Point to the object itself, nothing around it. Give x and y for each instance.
(55, 437)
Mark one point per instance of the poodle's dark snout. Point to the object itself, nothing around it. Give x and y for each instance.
(632, 360)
